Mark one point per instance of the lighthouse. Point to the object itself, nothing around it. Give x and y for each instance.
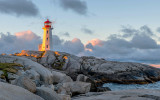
(47, 37)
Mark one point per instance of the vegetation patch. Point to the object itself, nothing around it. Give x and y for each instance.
(42, 54)
(8, 68)
(59, 63)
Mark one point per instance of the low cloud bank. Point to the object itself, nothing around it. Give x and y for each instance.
(26, 40)
(136, 45)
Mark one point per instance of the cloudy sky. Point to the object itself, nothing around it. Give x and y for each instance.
(120, 30)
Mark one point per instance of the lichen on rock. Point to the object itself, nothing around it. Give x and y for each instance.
(9, 68)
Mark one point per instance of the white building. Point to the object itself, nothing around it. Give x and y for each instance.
(47, 37)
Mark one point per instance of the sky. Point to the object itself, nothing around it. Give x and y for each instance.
(120, 30)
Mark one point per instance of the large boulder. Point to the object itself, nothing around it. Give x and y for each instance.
(73, 88)
(32, 74)
(73, 65)
(53, 59)
(47, 93)
(82, 78)
(139, 94)
(26, 83)
(59, 77)
(48, 58)
(45, 75)
(106, 71)
(12, 92)
(119, 72)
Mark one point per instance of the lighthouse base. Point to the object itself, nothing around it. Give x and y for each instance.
(40, 47)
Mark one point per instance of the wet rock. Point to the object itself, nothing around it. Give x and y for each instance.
(103, 89)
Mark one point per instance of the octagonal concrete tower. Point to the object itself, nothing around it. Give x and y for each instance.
(47, 37)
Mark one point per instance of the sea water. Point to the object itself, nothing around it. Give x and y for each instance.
(115, 87)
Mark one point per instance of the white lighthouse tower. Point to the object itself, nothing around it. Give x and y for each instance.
(47, 37)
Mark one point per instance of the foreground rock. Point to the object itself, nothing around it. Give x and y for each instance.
(119, 72)
(59, 77)
(26, 83)
(96, 69)
(139, 94)
(45, 75)
(64, 97)
(82, 78)
(47, 93)
(12, 92)
(73, 88)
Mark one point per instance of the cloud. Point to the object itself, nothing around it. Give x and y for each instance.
(19, 7)
(86, 30)
(74, 47)
(66, 34)
(27, 35)
(56, 40)
(144, 42)
(20, 41)
(157, 66)
(129, 31)
(27, 40)
(158, 30)
(77, 6)
(96, 42)
(137, 45)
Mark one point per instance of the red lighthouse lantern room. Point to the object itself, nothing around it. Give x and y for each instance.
(47, 24)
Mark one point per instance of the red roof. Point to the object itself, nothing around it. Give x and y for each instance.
(47, 21)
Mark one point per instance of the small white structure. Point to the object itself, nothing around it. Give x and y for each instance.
(47, 37)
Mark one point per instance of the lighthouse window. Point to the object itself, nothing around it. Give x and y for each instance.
(47, 46)
(47, 32)
(47, 39)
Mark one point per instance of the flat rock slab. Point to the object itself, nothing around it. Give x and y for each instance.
(138, 94)
(12, 92)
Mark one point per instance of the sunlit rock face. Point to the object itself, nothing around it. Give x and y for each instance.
(53, 59)
(98, 70)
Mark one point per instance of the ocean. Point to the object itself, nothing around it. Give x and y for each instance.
(116, 87)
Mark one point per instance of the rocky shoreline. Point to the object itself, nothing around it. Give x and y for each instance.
(53, 75)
